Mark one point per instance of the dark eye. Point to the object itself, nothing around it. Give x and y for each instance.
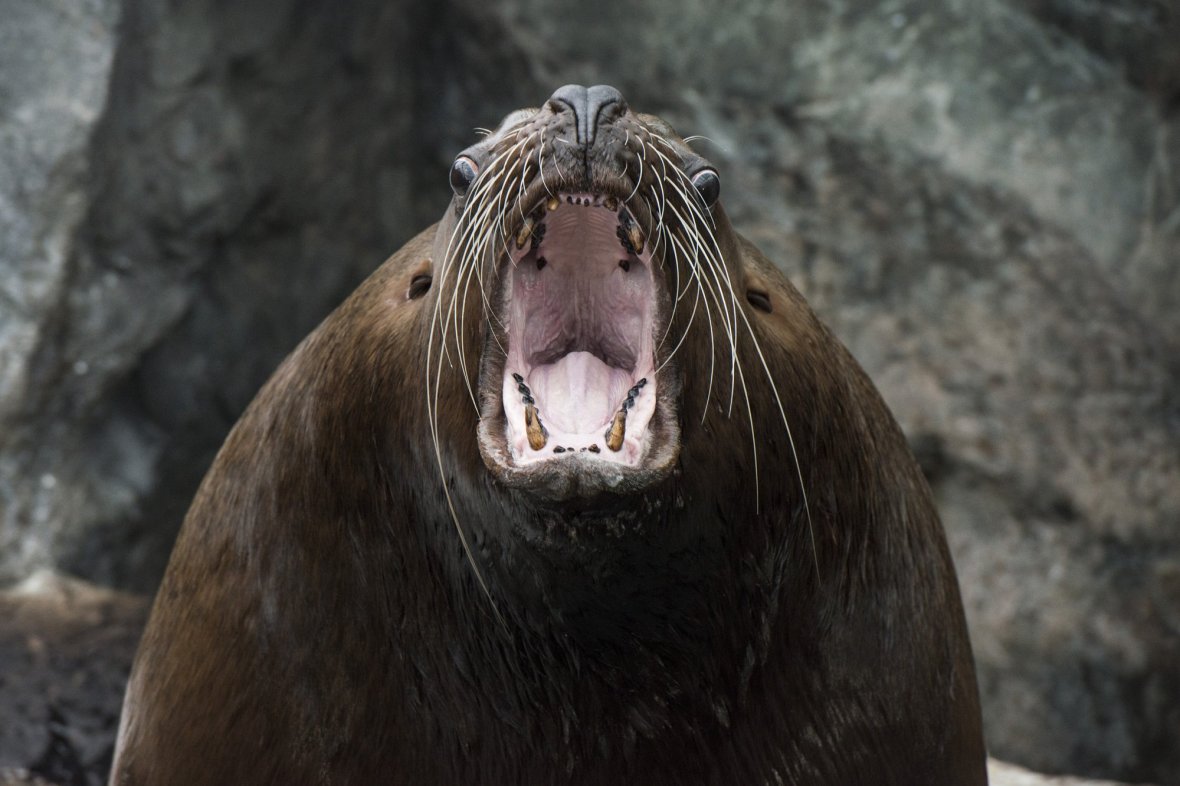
(708, 185)
(463, 173)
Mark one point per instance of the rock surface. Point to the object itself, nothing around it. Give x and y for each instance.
(55, 60)
(981, 198)
(65, 652)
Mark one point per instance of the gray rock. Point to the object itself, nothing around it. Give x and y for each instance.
(55, 59)
(22, 777)
(245, 156)
(982, 199)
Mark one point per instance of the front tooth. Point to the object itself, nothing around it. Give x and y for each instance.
(526, 230)
(618, 429)
(532, 427)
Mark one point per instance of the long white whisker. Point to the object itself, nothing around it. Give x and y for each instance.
(432, 419)
(704, 285)
(790, 438)
(721, 273)
(713, 257)
(472, 234)
(688, 326)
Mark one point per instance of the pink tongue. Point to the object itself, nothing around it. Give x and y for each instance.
(579, 393)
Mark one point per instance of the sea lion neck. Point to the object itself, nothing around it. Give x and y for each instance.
(659, 608)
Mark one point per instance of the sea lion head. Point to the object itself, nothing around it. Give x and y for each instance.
(590, 234)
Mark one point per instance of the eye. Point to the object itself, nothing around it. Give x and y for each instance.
(463, 173)
(708, 185)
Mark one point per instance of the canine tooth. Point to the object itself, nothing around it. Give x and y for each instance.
(618, 429)
(629, 233)
(526, 230)
(635, 237)
(553, 204)
(532, 427)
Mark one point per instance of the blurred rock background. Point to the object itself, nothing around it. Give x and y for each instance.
(981, 197)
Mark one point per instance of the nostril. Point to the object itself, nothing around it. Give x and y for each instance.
(605, 102)
(575, 99)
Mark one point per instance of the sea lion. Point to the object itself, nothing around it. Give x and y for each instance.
(574, 489)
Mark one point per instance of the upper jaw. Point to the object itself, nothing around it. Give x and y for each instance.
(573, 399)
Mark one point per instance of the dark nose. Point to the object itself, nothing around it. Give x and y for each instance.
(587, 103)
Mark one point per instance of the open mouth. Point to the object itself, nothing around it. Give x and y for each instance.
(579, 375)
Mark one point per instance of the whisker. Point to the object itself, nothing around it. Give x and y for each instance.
(719, 272)
(682, 231)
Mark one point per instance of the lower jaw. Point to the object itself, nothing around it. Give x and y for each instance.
(581, 476)
(587, 424)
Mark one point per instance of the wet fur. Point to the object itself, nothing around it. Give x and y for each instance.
(320, 621)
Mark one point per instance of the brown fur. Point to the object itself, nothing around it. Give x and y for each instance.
(319, 622)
